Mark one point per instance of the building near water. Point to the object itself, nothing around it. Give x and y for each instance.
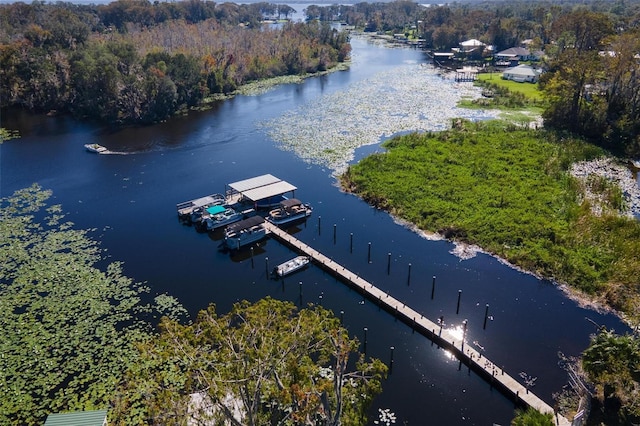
(78, 418)
(522, 74)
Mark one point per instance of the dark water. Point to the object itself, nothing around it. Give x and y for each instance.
(130, 201)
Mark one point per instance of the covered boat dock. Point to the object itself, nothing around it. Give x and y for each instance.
(266, 189)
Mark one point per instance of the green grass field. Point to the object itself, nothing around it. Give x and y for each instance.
(529, 90)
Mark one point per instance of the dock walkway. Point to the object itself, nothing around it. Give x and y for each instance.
(443, 337)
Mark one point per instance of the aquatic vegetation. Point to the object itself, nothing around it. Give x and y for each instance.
(69, 329)
(410, 97)
(508, 190)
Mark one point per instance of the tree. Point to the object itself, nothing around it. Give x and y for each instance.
(262, 363)
(69, 330)
(532, 417)
(612, 363)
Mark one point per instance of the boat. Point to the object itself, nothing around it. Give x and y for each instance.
(244, 232)
(290, 210)
(95, 148)
(218, 216)
(194, 209)
(291, 266)
(271, 202)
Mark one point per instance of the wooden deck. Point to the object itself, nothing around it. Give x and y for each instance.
(443, 337)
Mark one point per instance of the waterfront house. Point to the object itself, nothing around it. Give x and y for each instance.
(521, 73)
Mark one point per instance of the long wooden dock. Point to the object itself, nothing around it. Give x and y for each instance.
(443, 337)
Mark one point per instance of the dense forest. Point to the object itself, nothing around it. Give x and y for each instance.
(133, 61)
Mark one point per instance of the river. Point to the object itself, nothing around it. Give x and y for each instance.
(130, 198)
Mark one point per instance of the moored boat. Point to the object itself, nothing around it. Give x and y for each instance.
(291, 266)
(95, 148)
(290, 210)
(193, 209)
(218, 216)
(244, 232)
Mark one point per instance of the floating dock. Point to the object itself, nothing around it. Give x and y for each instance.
(443, 337)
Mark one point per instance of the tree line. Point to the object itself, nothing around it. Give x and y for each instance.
(137, 62)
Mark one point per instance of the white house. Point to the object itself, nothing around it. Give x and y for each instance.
(521, 73)
(514, 53)
(472, 44)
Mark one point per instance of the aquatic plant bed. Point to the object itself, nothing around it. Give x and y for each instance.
(508, 190)
(411, 97)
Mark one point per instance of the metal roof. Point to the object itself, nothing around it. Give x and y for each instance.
(262, 187)
(268, 191)
(245, 185)
(78, 418)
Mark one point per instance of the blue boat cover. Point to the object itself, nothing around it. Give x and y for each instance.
(216, 209)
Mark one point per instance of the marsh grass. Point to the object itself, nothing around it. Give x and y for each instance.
(507, 190)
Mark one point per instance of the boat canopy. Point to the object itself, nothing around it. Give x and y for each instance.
(256, 182)
(290, 202)
(216, 209)
(262, 187)
(245, 224)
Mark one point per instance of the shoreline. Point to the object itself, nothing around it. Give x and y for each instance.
(609, 168)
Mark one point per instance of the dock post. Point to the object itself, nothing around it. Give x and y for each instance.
(409, 276)
(266, 262)
(252, 266)
(391, 361)
(369, 253)
(388, 263)
(300, 291)
(319, 218)
(351, 242)
(365, 341)
(334, 234)
(486, 315)
(441, 325)
(341, 317)
(464, 335)
(458, 306)
(433, 286)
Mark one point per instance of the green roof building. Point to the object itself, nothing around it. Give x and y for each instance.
(78, 418)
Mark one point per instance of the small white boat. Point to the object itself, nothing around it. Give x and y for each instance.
(290, 210)
(291, 266)
(245, 232)
(95, 148)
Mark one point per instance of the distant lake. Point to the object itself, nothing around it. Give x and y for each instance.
(130, 201)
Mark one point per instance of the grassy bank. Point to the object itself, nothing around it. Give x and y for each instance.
(507, 190)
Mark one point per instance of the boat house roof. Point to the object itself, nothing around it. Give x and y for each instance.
(261, 187)
(247, 223)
